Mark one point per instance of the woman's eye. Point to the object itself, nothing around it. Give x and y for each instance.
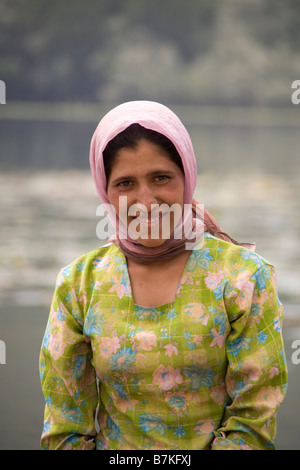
(123, 184)
(161, 178)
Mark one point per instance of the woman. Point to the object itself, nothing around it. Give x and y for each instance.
(176, 345)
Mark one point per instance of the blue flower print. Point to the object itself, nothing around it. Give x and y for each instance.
(74, 415)
(261, 276)
(221, 319)
(100, 263)
(68, 297)
(177, 401)
(276, 324)
(219, 291)
(151, 313)
(120, 389)
(261, 337)
(172, 314)
(80, 266)
(248, 255)
(239, 344)
(73, 438)
(60, 315)
(67, 270)
(179, 431)
(238, 388)
(187, 335)
(199, 259)
(47, 426)
(49, 401)
(42, 369)
(122, 360)
(199, 377)
(121, 265)
(46, 338)
(255, 309)
(150, 422)
(114, 434)
(94, 322)
(78, 367)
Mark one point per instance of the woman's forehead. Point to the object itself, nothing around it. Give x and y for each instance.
(145, 155)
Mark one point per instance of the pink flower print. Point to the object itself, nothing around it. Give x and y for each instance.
(276, 324)
(213, 280)
(109, 346)
(244, 300)
(252, 369)
(56, 346)
(83, 298)
(167, 377)
(117, 287)
(218, 338)
(242, 279)
(98, 284)
(170, 350)
(218, 394)
(124, 404)
(197, 339)
(187, 278)
(102, 263)
(269, 396)
(205, 427)
(60, 279)
(273, 371)
(197, 312)
(147, 340)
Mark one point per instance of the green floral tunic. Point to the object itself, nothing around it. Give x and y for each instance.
(206, 371)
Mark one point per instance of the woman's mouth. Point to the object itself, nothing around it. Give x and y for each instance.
(150, 224)
(149, 219)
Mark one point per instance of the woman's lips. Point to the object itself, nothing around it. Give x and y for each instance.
(149, 219)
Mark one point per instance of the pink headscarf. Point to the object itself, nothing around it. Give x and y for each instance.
(159, 118)
(153, 116)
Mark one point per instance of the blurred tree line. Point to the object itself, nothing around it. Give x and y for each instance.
(203, 52)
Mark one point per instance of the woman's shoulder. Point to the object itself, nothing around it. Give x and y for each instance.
(220, 252)
(99, 259)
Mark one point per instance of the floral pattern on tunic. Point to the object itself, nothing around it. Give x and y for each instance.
(206, 371)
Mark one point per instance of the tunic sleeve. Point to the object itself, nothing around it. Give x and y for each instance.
(67, 376)
(256, 377)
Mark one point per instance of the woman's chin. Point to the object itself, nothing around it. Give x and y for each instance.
(150, 243)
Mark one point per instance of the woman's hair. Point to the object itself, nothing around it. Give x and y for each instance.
(130, 137)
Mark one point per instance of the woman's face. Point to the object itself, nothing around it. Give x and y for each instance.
(151, 184)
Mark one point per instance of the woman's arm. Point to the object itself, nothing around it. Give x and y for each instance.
(67, 376)
(256, 378)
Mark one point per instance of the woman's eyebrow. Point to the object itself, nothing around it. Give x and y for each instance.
(161, 172)
(150, 173)
(121, 178)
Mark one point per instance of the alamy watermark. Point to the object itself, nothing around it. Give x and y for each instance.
(296, 354)
(161, 222)
(2, 352)
(2, 92)
(296, 94)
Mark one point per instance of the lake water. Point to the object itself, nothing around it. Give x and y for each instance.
(248, 177)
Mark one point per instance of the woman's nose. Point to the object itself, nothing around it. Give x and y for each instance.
(144, 195)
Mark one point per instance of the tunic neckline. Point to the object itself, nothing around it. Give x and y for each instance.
(167, 304)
